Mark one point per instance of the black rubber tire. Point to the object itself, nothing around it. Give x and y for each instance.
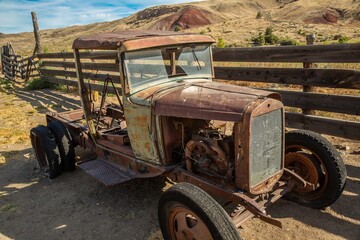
(65, 144)
(203, 205)
(46, 151)
(333, 184)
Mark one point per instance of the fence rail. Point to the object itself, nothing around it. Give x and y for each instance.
(97, 65)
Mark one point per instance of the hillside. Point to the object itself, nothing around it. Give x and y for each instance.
(236, 21)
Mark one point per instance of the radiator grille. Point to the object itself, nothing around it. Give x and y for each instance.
(265, 146)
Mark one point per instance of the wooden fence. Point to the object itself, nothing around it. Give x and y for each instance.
(14, 66)
(237, 65)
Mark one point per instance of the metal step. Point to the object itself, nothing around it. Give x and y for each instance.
(104, 172)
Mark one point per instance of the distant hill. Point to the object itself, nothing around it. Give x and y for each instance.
(236, 21)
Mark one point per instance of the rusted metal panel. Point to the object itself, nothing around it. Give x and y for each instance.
(210, 101)
(140, 130)
(132, 166)
(137, 39)
(104, 172)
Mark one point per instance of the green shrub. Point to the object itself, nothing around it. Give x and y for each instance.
(202, 32)
(177, 28)
(45, 49)
(220, 43)
(301, 32)
(343, 39)
(337, 37)
(288, 41)
(259, 40)
(5, 84)
(270, 38)
(37, 83)
(259, 15)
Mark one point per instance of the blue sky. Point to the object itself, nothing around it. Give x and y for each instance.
(15, 15)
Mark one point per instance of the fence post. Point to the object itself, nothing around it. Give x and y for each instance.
(36, 33)
(310, 40)
(64, 59)
(1, 59)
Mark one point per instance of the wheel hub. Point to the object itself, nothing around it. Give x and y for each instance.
(305, 165)
(185, 225)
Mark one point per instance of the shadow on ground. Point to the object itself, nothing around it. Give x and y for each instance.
(45, 100)
(341, 218)
(73, 206)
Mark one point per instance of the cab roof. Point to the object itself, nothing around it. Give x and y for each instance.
(133, 40)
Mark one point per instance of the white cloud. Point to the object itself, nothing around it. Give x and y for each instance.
(15, 14)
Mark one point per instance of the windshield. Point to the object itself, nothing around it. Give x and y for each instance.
(152, 67)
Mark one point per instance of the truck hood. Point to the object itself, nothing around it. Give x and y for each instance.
(208, 100)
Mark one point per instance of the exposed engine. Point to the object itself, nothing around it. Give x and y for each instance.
(210, 152)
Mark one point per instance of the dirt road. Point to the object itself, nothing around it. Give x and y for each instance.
(75, 206)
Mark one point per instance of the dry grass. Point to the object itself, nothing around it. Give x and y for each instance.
(14, 119)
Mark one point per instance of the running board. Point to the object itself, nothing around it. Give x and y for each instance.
(104, 172)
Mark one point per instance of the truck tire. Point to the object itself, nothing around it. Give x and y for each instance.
(46, 151)
(187, 212)
(65, 144)
(315, 159)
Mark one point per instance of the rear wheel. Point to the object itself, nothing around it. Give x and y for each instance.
(187, 212)
(46, 151)
(315, 159)
(65, 144)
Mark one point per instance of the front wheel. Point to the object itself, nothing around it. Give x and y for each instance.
(187, 212)
(315, 159)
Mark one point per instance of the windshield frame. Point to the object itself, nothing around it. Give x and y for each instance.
(170, 78)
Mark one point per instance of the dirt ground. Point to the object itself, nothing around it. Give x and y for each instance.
(76, 206)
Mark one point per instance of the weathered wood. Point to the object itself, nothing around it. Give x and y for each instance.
(334, 127)
(7, 58)
(323, 102)
(111, 67)
(337, 53)
(1, 60)
(63, 81)
(8, 75)
(72, 74)
(8, 68)
(310, 40)
(331, 78)
(6, 50)
(36, 33)
(7, 62)
(110, 55)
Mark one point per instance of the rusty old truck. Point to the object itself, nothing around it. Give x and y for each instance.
(168, 117)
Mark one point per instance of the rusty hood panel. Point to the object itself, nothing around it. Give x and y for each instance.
(210, 101)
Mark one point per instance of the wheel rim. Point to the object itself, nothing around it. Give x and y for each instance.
(183, 224)
(309, 166)
(40, 154)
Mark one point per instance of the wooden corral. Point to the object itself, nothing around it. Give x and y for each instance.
(253, 65)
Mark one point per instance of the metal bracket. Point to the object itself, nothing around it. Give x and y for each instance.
(291, 176)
